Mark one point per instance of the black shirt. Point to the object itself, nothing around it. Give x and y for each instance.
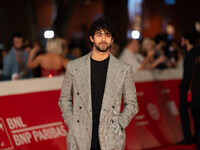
(196, 84)
(188, 69)
(98, 81)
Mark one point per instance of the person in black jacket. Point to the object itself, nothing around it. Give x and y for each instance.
(195, 103)
(187, 41)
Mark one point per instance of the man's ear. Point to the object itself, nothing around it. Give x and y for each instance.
(112, 40)
(91, 39)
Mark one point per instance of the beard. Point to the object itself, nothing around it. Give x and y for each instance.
(102, 49)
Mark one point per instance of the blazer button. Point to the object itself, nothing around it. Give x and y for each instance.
(77, 93)
(77, 121)
(80, 107)
(113, 107)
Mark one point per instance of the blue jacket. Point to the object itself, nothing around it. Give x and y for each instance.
(11, 65)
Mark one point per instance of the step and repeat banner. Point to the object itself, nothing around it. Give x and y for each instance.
(30, 117)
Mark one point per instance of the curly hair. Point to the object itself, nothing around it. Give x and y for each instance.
(104, 24)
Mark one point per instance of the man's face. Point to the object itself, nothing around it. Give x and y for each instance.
(136, 45)
(18, 42)
(102, 40)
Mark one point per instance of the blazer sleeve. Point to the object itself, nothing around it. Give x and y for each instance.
(65, 101)
(129, 100)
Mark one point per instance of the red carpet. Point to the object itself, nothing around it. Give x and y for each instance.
(175, 147)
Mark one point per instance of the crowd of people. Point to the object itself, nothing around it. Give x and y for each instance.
(27, 60)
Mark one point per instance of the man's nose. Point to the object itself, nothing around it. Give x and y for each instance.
(103, 38)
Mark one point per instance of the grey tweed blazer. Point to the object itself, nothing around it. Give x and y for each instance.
(76, 106)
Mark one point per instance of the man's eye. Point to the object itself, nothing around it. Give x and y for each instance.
(108, 35)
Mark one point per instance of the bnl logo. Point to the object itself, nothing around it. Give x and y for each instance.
(5, 141)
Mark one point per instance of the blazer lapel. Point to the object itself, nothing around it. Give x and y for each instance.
(83, 82)
(111, 91)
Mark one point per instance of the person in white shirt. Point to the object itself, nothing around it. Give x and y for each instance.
(131, 55)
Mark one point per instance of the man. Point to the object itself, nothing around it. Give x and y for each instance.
(131, 55)
(195, 103)
(187, 41)
(15, 62)
(97, 82)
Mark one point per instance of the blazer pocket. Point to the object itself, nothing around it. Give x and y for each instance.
(119, 136)
(118, 129)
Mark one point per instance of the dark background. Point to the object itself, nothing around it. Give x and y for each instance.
(71, 18)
